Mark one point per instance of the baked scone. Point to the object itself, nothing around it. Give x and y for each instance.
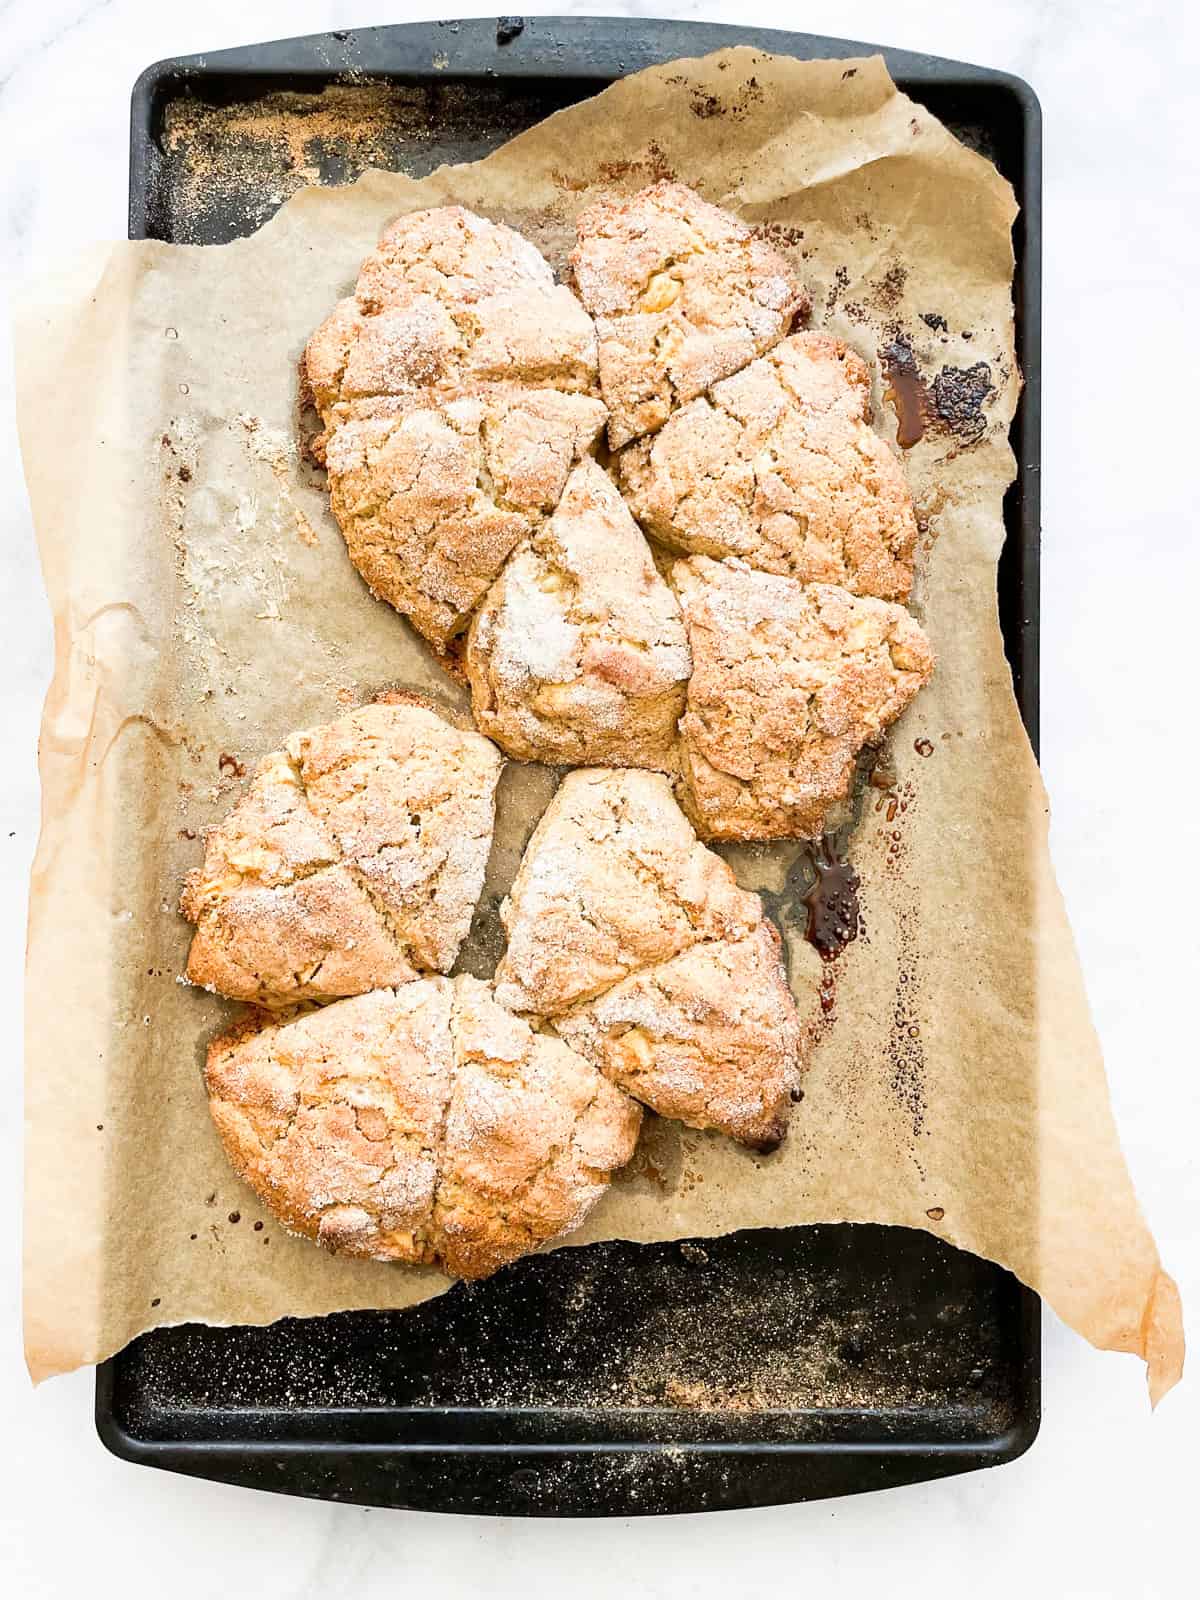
(612, 880)
(710, 1037)
(578, 654)
(789, 682)
(779, 465)
(682, 294)
(447, 301)
(423, 1124)
(434, 498)
(457, 387)
(354, 862)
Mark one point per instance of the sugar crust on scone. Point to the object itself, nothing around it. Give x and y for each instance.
(457, 387)
(711, 1037)
(578, 653)
(789, 682)
(779, 465)
(432, 498)
(682, 293)
(613, 879)
(354, 862)
(423, 1124)
(445, 302)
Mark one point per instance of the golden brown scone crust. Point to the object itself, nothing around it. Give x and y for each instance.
(779, 465)
(789, 682)
(682, 294)
(457, 388)
(446, 302)
(613, 879)
(578, 654)
(354, 862)
(434, 498)
(423, 1124)
(710, 1037)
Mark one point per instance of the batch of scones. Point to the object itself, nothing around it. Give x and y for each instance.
(498, 446)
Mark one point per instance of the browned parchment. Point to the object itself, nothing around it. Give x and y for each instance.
(205, 607)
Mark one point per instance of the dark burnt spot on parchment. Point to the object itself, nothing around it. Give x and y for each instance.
(841, 280)
(651, 167)
(888, 293)
(736, 105)
(959, 395)
(779, 234)
(954, 402)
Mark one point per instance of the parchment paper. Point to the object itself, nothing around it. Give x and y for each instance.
(204, 607)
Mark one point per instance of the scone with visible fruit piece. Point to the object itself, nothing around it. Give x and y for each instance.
(354, 862)
(682, 294)
(423, 1124)
(789, 682)
(779, 465)
(612, 880)
(578, 655)
(711, 1037)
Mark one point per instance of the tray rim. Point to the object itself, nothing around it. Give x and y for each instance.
(585, 48)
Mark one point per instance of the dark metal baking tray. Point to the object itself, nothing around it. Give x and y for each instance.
(768, 1366)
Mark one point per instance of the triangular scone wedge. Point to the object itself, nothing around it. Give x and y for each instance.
(423, 1124)
(533, 1134)
(412, 802)
(613, 879)
(433, 495)
(457, 387)
(779, 465)
(683, 294)
(789, 683)
(354, 862)
(578, 655)
(711, 1037)
(445, 302)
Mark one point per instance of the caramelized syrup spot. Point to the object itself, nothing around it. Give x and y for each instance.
(906, 391)
(832, 901)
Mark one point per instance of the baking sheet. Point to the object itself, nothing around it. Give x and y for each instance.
(205, 606)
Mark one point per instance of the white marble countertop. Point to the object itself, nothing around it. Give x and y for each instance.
(1102, 1505)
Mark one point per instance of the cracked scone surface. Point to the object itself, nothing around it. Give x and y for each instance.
(447, 300)
(578, 654)
(424, 1124)
(432, 500)
(779, 465)
(789, 682)
(457, 388)
(682, 294)
(613, 879)
(711, 1037)
(354, 862)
